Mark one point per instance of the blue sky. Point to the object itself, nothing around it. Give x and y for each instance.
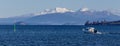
(9, 8)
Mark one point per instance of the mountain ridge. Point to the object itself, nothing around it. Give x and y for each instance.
(63, 16)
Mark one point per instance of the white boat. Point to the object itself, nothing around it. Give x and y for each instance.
(91, 30)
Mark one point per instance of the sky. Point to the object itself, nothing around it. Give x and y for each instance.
(9, 8)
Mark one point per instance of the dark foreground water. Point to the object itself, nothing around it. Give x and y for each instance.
(58, 36)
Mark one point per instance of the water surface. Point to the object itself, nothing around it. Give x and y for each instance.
(58, 35)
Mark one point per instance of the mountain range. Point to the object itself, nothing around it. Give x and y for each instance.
(61, 16)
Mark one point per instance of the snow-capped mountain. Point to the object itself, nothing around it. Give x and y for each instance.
(74, 18)
(63, 16)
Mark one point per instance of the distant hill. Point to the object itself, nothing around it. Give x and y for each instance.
(61, 16)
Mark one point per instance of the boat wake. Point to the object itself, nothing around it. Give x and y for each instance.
(92, 30)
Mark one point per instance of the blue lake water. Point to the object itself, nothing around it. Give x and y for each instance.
(58, 35)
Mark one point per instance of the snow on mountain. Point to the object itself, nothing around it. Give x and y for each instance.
(62, 10)
(84, 9)
(56, 10)
(116, 12)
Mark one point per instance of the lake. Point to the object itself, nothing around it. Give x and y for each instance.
(58, 35)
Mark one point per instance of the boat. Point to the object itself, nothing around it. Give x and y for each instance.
(91, 30)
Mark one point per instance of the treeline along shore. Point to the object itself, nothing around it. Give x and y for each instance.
(104, 22)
